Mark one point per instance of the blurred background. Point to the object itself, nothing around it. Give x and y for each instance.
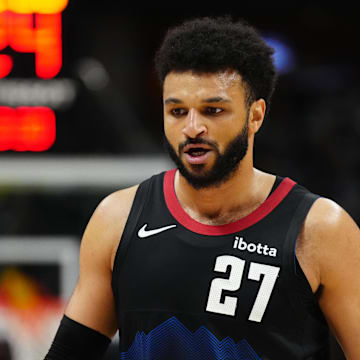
(81, 116)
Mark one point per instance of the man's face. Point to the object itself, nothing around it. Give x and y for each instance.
(206, 125)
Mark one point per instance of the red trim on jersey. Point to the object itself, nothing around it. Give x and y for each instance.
(184, 219)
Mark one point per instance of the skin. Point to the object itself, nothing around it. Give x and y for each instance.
(328, 247)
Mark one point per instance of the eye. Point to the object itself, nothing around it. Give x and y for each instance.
(213, 110)
(178, 112)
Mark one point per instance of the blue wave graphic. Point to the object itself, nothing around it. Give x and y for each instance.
(172, 340)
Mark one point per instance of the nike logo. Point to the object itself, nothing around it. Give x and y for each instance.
(143, 233)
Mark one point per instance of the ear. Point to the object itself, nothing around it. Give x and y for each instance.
(256, 115)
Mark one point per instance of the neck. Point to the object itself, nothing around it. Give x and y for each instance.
(240, 195)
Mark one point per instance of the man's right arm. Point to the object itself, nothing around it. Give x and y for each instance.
(91, 308)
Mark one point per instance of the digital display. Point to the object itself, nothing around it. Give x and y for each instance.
(29, 26)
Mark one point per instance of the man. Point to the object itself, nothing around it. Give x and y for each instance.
(215, 259)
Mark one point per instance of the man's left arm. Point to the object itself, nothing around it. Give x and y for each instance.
(337, 239)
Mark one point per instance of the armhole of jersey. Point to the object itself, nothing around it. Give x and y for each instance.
(290, 260)
(303, 301)
(140, 199)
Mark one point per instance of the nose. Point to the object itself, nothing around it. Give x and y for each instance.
(194, 125)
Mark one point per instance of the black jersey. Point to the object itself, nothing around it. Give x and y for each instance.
(189, 291)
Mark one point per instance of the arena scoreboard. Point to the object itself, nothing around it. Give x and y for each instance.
(27, 122)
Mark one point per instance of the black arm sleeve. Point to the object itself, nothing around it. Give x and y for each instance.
(74, 341)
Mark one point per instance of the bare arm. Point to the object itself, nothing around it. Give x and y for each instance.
(337, 239)
(92, 302)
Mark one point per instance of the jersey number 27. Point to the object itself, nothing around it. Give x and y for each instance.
(228, 307)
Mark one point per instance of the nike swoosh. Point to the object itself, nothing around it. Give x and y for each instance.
(143, 233)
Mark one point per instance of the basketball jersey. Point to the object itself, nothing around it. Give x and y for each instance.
(185, 290)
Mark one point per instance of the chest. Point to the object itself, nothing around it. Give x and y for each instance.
(239, 277)
(221, 217)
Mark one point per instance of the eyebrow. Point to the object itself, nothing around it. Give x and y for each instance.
(215, 99)
(172, 100)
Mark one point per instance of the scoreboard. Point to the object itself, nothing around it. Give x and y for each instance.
(29, 27)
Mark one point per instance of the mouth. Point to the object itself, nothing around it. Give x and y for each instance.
(194, 152)
(196, 149)
(197, 154)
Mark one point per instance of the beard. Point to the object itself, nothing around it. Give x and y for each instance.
(225, 164)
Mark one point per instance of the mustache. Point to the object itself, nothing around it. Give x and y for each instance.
(199, 141)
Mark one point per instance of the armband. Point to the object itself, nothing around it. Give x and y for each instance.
(74, 341)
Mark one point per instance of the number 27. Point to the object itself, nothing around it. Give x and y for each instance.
(228, 307)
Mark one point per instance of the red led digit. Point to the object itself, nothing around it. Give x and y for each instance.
(42, 37)
(27, 128)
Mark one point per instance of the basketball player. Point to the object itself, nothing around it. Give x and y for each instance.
(215, 259)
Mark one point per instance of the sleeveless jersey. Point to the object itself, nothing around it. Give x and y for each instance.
(184, 290)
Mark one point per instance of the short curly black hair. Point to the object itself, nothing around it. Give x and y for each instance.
(204, 45)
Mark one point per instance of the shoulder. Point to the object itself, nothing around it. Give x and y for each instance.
(114, 208)
(327, 219)
(104, 229)
(334, 236)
